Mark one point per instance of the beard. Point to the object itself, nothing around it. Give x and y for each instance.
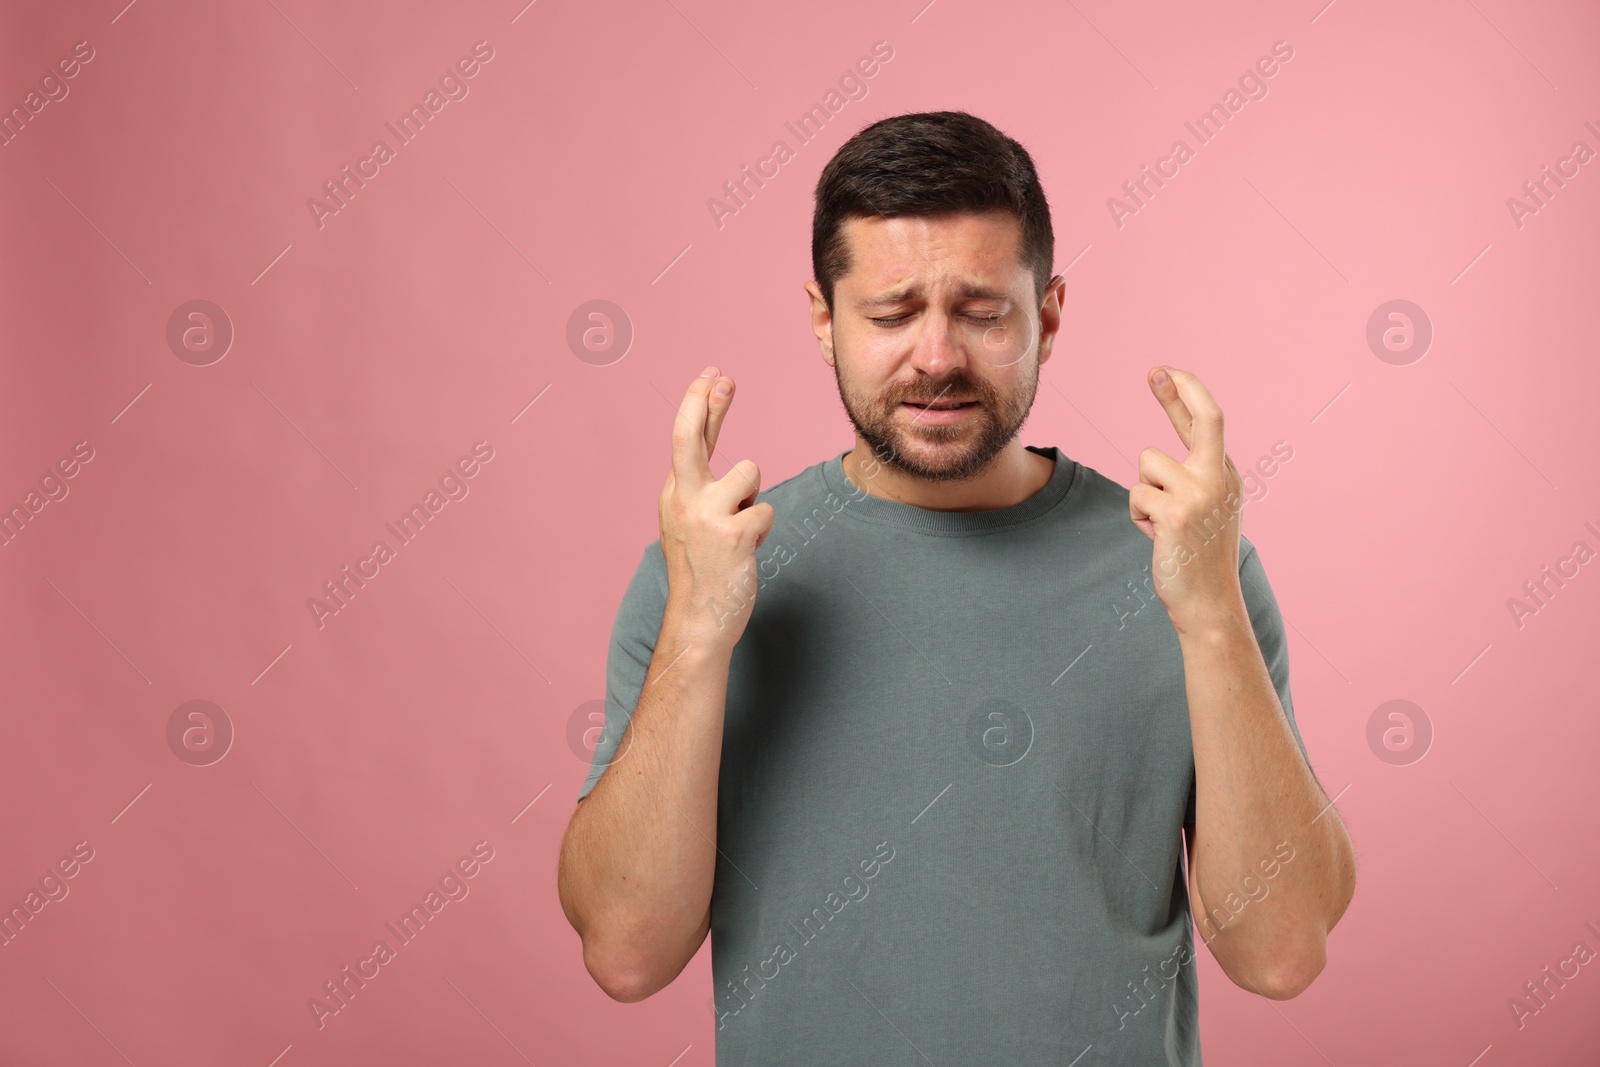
(932, 451)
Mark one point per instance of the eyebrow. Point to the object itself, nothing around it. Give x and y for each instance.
(969, 291)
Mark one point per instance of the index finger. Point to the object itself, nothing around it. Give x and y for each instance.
(691, 459)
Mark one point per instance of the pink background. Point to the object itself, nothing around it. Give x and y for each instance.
(372, 752)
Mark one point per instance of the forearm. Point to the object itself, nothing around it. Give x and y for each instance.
(639, 856)
(1255, 798)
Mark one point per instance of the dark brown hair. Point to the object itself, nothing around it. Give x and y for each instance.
(928, 163)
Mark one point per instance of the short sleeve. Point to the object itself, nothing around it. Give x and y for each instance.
(633, 641)
(1267, 622)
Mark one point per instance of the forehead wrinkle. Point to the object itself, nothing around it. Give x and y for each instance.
(905, 231)
(966, 290)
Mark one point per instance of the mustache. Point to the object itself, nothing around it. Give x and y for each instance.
(960, 389)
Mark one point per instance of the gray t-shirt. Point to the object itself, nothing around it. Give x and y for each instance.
(955, 764)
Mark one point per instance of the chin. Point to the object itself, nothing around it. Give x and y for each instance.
(949, 458)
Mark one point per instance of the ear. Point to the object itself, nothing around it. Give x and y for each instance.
(1055, 295)
(821, 321)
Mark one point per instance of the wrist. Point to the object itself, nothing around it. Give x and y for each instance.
(700, 631)
(1213, 624)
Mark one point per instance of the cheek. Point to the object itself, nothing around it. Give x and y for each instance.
(1009, 386)
(866, 376)
(1005, 347)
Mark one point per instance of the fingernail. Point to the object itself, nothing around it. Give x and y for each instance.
(722, 389)
(1161, 377)
(709, 372)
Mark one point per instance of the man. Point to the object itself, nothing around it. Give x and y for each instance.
(917, 733)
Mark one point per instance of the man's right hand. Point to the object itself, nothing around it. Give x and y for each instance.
(710, 527)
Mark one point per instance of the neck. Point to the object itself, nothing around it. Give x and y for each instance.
(1011, 477)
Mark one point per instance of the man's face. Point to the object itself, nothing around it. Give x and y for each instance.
(935, 311)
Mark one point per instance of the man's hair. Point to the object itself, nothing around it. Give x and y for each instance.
(928, 163)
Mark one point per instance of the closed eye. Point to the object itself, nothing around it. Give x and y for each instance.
(897, 319)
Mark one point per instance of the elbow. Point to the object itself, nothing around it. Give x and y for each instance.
(1291, 974)
(626, 981)
(622, 986)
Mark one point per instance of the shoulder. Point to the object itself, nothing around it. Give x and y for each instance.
(802, 487)
(1095, 490)
(1099, 502)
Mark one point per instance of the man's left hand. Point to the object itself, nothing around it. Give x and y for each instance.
(1192, 510)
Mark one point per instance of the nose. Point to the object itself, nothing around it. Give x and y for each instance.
(940, 349)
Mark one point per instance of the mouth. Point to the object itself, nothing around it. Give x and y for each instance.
(942, 411)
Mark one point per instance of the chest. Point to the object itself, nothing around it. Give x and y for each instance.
(867, 679)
